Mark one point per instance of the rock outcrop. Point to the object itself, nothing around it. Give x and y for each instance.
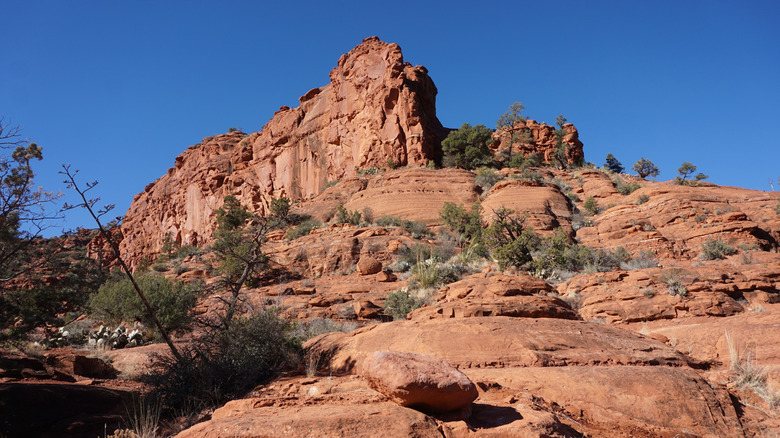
(419, 381)
(377, 111)
(528, 137)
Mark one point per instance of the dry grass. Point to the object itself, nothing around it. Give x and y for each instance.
(144, 418)
(749, 376)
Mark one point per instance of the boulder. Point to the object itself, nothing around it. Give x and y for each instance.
(93, 367)
(368, 265)
(419, 381)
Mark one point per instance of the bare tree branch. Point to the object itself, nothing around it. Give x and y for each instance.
(89, 204)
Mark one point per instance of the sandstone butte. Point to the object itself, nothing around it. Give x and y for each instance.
(617, 353)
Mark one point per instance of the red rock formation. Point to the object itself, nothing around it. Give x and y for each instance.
(376, 110)
(528, 137)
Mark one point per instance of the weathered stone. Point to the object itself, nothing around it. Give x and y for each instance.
(419, 381)
(368, 265)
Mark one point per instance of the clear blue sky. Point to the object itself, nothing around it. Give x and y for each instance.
(119, 89)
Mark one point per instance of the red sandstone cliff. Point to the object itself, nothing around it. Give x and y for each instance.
(376, 109)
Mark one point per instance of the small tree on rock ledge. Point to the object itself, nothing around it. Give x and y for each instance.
(645, 168)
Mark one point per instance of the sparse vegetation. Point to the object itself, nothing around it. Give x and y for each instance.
(748, 376)
(645, 260)
(714, 249)
(417, 229)
(644, 168)
(643, 198)
(487, 178)
(344, 216)
(368, 171)
(467, 147)
(673, 280)
(613, 165)
(116, 301)
(625, 188)
(225, 363)
(400, 302)
(303, 229)
(591, 206)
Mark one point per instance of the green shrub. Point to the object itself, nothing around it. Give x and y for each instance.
(777, 208)
(487, 178)
(557, 253)
(303, 229)
(468, 224)
(625, 188)
(367, 171)
(400, 302)
(223, 365)
(516, 161)
(716, 249)
(643, 198)
(417, 229)
(591, 206)
(467, 147)
(171, 300)
(280, 209)
(344, 216)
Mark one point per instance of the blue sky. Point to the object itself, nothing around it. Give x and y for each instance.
(119, 89)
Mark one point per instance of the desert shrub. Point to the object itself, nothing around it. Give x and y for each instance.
(400, 302)
(716, 249)
(331, 184)
(467, 147)
(561, 184)
(557, 253)
(643, 198)
(573, 197)
(224, 364)
(417, 229)
(516, 161)
(510, 240)
(305, 330)
(303, 229)
(749, 376)
(367, 171)
(777, 208)
(645, 260)
(344, 216)
(172, 300)
(280, 209)
(368, 215)
(625, 188)
(673, 280)
(468, 224)
(487, 178)
(591, 206)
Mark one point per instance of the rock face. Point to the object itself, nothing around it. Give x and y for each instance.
(528, 137)
(419, 381)
(377, 110)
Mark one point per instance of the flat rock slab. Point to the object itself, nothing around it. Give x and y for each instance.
(624, 401)
(384, 420)
(497, 342)
(419, 381)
